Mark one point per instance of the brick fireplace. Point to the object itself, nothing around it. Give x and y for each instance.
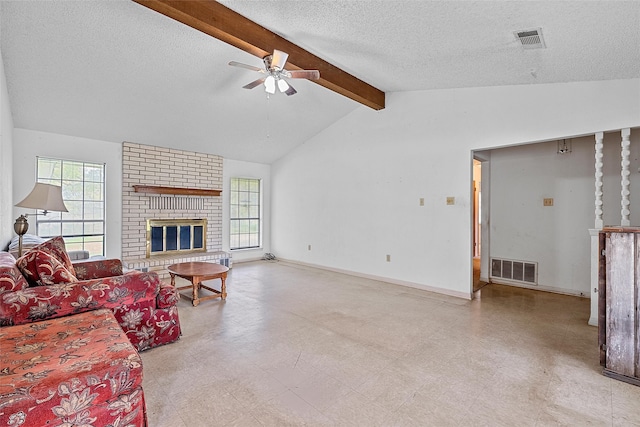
(145, 165)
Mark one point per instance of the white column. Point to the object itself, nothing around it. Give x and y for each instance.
(593, 318)
(599, 224)
(626, 184)
(599, 163)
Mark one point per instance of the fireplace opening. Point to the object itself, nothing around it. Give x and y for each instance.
(172, 236)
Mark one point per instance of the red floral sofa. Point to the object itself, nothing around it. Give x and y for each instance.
(78, 370)
(44, 284)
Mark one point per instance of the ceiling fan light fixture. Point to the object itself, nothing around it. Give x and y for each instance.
(283, 86)
(275, 74)
(270, 85)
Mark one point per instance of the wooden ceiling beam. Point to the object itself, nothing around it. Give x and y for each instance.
(224, 24)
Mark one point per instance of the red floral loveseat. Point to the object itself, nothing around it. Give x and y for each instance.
(44, 284)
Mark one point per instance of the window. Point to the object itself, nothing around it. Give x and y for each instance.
(245, 213)
(83, 192)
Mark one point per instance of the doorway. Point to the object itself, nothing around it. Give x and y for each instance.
(479, 216)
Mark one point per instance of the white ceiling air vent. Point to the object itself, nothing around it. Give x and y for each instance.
(531, 39)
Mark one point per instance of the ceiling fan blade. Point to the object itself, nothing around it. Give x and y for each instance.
(253, 84)
(248, 67)
(304, 74)
(279, 59)
(290, 91)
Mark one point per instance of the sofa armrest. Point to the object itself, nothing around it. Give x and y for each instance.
(168, 296)
(47, 302)
(98, 269)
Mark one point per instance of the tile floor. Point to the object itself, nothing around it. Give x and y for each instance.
(300, 346)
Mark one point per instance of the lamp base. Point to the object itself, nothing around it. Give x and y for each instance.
(21, 227)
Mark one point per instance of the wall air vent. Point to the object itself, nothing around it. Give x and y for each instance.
(514, 271)
(531, 39)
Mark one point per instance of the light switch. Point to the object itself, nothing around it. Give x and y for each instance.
(421, 201)
(547, 202)
(451, 200)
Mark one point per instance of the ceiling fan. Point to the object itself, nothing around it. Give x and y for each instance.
(275, 73)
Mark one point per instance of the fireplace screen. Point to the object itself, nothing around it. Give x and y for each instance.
(170, 236)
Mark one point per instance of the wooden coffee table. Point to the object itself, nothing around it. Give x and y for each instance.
(196, 273)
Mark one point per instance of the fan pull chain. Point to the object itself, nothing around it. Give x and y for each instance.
(268, 117)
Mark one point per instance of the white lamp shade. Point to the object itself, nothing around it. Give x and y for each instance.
(270, 85)
(283, 86)
(46, 197)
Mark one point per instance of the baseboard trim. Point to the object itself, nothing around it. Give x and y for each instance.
(456, 294)
(541, 288)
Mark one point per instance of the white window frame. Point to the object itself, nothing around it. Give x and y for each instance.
(245, 214)
(80, 208)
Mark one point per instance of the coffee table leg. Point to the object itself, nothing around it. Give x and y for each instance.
(223, 288)
(173, 279)
(196, 286)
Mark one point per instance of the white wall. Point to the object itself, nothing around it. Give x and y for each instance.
(556, 237)
(352, 191)
(6, 165)
(240, 169)
(29, 144)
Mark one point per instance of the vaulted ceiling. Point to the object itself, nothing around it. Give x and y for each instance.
(119, 71)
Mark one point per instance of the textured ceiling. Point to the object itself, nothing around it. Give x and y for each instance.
(117, 71)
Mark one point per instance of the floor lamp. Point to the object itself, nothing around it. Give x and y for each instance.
(43, 196)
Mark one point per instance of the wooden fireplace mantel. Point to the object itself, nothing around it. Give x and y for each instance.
(152, 189)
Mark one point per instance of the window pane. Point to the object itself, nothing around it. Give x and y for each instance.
(93, 191)
(75, 210)
(74, 244)
(244, 240)
(93, 228)
(254, 186)
(72, 171)
(49, 170)
(234, 241)
(244, 185)
(72, 190)
(254, 198)
(93, 210)
(49, 229)
(244, 197)
(72, 228)
(254, 240)
(95, 245)
(234, 184)
(93, 173)
(254, 212)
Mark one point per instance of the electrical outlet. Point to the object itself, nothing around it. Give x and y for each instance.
(388, 258)
(451, 200)
(547, 202)
(309, 247)
(421, 201)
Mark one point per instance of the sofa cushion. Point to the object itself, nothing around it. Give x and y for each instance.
(10, 277)
(79, 370)
(57, 248)
(46, 263)
(42, 268)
